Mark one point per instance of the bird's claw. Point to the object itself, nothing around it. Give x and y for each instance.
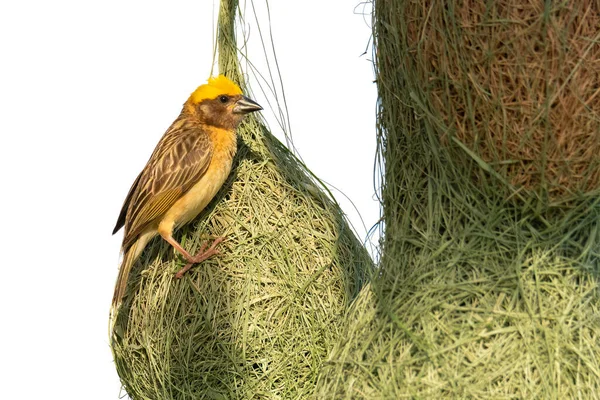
(202, 255)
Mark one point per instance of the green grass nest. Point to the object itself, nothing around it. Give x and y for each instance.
(258, 321)
(477, 296)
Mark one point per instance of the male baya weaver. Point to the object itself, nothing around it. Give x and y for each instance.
(187, 168)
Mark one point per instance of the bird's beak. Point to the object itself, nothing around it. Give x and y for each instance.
(245, 105)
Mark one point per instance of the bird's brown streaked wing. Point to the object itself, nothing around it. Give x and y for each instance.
(178, 162)
(122, 215)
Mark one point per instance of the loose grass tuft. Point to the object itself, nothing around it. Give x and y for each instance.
(477, 296)
(257, 321)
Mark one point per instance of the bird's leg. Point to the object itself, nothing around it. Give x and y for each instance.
(202, 255)
(178, 247)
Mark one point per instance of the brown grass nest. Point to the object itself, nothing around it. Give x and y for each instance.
(517, 83)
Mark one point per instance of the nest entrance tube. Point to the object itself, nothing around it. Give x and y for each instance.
(259, 320)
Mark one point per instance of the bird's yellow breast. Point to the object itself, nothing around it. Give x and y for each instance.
(197, 198)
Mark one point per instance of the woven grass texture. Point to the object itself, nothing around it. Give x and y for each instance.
(477, 296)
(516, 82)
(257, 321)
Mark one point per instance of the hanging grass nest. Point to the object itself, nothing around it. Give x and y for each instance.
(257, 321)
(516, 83)
(477, 296)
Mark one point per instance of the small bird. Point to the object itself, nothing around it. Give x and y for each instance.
(187, 168)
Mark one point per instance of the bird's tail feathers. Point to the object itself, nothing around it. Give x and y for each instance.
(129, 258)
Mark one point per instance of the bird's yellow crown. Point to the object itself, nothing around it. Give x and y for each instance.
(216, 86)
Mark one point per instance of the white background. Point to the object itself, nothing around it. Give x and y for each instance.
(86, 91)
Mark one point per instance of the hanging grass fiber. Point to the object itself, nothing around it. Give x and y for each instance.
(479, 296)
(257, 321)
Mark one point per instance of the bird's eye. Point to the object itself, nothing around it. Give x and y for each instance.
(223, 99)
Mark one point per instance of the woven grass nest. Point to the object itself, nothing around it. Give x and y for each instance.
(477, 296)
(517, 83)
(257, 321)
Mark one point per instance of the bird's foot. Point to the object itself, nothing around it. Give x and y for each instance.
(202, 255)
